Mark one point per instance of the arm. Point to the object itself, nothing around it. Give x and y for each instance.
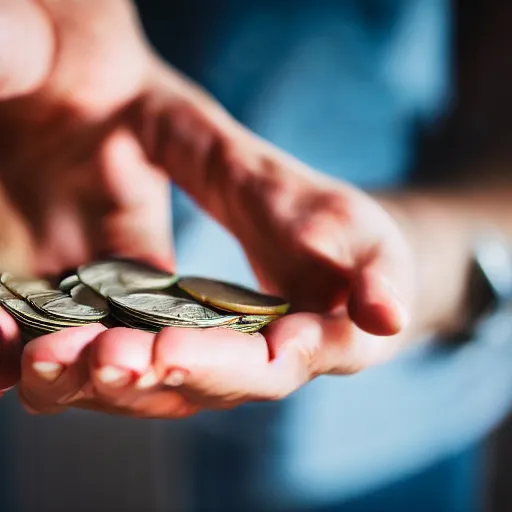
(352, 273)
(441, 225)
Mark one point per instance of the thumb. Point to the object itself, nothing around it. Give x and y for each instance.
(27, 46)
(140, 224)
(380, 294)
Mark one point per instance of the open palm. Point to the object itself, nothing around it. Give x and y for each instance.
(89, 144)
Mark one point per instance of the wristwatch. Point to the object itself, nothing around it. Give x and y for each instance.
(490, 281)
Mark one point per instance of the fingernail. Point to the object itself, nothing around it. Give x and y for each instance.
(402, 316)
(175, 378)
(47, 370)
(113, 376)
(148, 380)
(73, 397)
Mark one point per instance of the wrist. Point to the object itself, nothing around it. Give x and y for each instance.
(440, 241)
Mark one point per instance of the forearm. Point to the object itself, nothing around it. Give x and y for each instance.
(441, 226)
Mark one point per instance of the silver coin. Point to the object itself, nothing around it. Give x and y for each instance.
(49, 295)
(166, 308)
(146, 320)
(31, 317)
(115, 276)
(247, 328)
(64, 307)
(5, 293)
(254, 319)
(85, 295)
(24, 286)
(69, 282)
(130, 322)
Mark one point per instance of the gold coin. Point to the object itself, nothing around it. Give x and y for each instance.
(231, 297)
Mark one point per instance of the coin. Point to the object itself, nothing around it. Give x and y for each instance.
(69, 282)
(165, 309)
(251, 319)
(125, 292)
(62, 306)
(117, 276)
(5, 293)
(231, 297)
(24, 286)
(28, 316)
(85, 295)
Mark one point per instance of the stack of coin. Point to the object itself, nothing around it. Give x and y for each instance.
(125, 292)
(40, 309)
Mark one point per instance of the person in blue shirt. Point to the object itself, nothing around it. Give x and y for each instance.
(94, 125)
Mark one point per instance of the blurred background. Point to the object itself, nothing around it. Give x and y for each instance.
(381, 93)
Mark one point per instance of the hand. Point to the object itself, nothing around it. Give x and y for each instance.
(92, 140)
(74, 181)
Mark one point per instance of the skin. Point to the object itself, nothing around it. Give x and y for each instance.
(93, 126)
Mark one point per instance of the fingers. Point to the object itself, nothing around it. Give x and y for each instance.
(119, 357)
(55, 369)
(27, 46)
(125, 381)
(381, 293)
(179, 371)
(136, 214)
(10, 351)
(126, 371)
(212, 365)
(218, 368)
(382, 288)
(313, 345)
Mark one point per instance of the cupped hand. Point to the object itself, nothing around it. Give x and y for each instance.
(93, 127)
